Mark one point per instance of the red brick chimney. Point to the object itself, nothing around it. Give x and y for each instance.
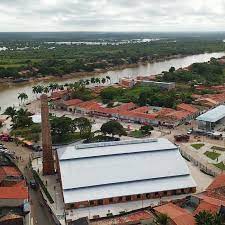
(48, 159)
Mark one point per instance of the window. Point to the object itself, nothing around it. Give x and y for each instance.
(128, 198)
(148, 196)
(111, 200)
(138, 196)
(120, 199)
(92, 202)
(100, 202)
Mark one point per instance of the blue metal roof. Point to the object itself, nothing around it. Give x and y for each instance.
(213, 115)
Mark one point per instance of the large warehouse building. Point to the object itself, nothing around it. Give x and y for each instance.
(116, 172)
(211, 119)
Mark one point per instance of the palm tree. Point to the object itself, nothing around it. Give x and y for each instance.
(93, 80)
(51, 87)
(203, 218)
(103, 80)
(218, 219)
(22, 97)
(40, 89)
(87, 82)
(10, 111)
(108, 79)
(97, 80)
(162, 219)
(46, 89)
(34, 90)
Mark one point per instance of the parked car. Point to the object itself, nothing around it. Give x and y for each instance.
(5, 137)
(33, 184)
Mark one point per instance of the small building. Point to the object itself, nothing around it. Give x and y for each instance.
(162, 85)
(121, 172)
(211, 119)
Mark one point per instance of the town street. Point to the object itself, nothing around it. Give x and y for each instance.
(39, 213)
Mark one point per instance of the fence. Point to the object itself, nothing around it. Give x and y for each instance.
(204, 166)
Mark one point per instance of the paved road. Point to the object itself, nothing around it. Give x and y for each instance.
(39, 213)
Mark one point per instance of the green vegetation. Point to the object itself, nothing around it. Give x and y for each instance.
(113, 127)
(220, 165)
(211, 73)
(212, 155)
(146, 95)
(31, 133)
(22, 124)
(208, 218)
(142, 132)
(218, 148)
(137, 134)
(100, 138)
(41, 58)
(197, 146)
(63, 129)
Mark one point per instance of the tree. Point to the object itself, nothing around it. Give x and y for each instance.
(146, 129)
(97, 80)
(108, 78)
(84, 125)
(172, 69)
(22, 119)
(87, 82)
(10, 111)
(34, 90)
(46, 90)
(162, 219)
(61, 126)
(103, 80)
(204, 218)
(22, 97)
(113, 127)
(93, 80)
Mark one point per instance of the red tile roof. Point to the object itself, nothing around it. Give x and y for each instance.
(143, 109)
(218, 182)
(126, 106)
(178, 115)
(9, 171)
(207, 206)
(73, 102)
(178, 215)
(89, 105)
(18, 191)
(187, 107)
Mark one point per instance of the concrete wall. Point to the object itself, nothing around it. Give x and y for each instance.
(129, 198)
(11, 202)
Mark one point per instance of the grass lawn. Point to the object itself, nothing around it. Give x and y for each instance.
(136, 134)
(220, 165)
(212, 155)
(218, 148)
(197, 146)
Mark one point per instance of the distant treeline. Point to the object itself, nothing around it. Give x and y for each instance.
(41, 59)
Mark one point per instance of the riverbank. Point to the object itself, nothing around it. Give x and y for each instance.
(9, 92)
(4, 83)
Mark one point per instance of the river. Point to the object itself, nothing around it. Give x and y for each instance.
(8, 96)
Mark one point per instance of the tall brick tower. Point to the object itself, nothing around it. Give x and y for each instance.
(48, 159)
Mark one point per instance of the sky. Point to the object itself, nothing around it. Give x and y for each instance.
(112, 15)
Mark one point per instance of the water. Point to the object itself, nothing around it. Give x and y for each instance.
(8, 96)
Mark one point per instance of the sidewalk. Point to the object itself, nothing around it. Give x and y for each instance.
(53, 186)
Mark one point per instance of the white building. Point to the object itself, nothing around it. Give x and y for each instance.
(114, 173)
